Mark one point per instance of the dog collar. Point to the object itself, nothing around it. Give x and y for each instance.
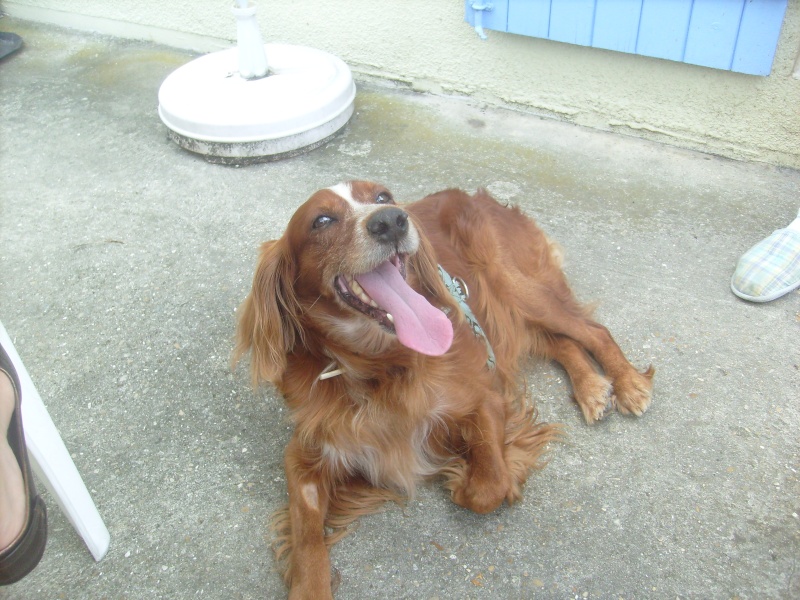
(459, 290)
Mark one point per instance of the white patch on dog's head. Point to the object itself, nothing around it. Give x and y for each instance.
(345, 192)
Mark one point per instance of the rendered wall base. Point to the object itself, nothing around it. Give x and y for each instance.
(428, 46)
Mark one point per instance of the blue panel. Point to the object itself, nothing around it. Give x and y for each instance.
(740, 35)
(572, 21)
(758, 36)
(529, 17)
(663, 28)
(616, 24)
(712, 33)
(496, 19)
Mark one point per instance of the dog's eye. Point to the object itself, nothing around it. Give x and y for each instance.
(384, 198)
(322, 221)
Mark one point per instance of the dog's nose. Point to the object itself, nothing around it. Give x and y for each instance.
(388, 225)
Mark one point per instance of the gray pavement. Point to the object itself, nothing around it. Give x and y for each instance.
(123, 258)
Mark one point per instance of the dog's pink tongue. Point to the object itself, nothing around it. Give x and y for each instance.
(419, 325)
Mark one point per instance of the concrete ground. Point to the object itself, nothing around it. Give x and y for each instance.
(123, 259)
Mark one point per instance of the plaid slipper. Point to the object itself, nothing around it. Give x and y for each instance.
(771, 268)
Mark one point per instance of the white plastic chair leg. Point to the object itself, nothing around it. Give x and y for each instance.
(52, 463)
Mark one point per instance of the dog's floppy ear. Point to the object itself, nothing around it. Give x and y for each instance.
(268, 324)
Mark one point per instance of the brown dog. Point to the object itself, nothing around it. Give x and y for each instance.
(390, 379)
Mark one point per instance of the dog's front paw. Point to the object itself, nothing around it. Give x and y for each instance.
(302, 592)
(313, 579)
(634, 391)
(482, 494)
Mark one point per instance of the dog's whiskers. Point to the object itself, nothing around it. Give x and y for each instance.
(313, 303)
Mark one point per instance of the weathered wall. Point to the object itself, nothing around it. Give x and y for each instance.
(429, 46)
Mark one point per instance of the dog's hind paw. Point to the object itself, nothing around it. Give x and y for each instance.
(634, 391)
(594, 396)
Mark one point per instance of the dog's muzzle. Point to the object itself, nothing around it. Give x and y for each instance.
(388, 225)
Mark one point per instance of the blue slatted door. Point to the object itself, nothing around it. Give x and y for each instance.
(736, 35)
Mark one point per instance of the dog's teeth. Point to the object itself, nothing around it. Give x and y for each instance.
(390, 317)
(361, 294)
(367, 300)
